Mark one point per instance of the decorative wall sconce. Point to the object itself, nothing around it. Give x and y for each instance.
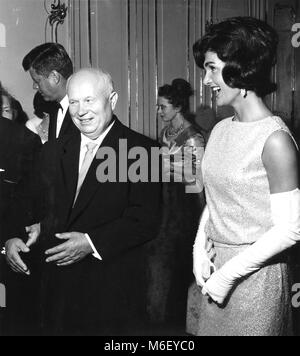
(58, 13)
(56, 16)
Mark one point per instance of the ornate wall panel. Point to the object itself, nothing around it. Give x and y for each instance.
(146, 43)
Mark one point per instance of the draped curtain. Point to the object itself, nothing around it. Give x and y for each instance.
(145, 44)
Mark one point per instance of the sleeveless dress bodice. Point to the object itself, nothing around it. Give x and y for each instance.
(238, 198)
(236, 182)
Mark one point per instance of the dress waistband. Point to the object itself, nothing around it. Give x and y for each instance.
(232, 246)
(283, 257)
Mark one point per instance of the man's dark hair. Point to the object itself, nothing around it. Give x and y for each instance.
(248, 46)
(48, 57)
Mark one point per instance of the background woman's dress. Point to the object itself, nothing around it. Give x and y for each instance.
(171, 253)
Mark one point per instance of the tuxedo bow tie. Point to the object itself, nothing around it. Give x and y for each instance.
(57, 106)
(53, 121)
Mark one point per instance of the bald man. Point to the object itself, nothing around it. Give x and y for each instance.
(94, 282)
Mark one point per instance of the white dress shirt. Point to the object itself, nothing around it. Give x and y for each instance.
(98, 141)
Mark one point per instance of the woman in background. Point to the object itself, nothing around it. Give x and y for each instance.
(39, 123)
(12, 109)
(251, 185)
(171, 252)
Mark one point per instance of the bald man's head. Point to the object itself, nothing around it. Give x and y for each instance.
(92, 100)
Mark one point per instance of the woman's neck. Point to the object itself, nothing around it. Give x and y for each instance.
(251, 108)
(177, 122)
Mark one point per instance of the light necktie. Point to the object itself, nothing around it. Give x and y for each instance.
(88, 158)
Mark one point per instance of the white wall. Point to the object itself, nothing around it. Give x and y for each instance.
(24, 22)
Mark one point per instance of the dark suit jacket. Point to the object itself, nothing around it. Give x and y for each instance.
(68, 128)
(48, 160)
(19, 149)
(100, 297)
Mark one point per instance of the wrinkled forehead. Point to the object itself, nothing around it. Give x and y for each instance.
(87, 83)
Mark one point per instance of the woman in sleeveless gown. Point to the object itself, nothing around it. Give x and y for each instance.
(250, 177)
(171, 253)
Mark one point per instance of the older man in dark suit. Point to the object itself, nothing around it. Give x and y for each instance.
(94, 281)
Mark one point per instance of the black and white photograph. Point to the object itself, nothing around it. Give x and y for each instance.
(149, 170)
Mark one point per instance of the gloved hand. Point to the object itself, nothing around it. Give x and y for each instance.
(285, 233)
(203, 252)
(218, 286)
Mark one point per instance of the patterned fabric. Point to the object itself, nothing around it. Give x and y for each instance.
(170, 254)
(238, 198)
(43, 128)
(186, 151)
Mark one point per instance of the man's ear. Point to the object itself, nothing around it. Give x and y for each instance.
(113, 98)
(178, 109)
(55, 76)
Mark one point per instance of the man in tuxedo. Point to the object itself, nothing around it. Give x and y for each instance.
(50, 66)
(19, 149)
(94, 280)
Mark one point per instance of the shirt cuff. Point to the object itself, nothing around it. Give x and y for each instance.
(95, 254)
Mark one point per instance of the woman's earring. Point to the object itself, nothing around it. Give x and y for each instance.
(244, 93)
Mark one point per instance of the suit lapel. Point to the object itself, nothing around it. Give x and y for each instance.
(52, 122)
(91, 184)
(70, 163)
(67, 122)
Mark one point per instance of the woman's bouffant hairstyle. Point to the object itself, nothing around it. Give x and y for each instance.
(248, 46)
(178, 94)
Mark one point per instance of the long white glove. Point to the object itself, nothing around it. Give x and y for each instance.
(202, 252)
(284, 234)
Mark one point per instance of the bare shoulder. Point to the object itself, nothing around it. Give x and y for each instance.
(280, 145)
(280, 158)
(33, 123)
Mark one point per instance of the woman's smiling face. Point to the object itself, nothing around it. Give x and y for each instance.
(213, 66)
